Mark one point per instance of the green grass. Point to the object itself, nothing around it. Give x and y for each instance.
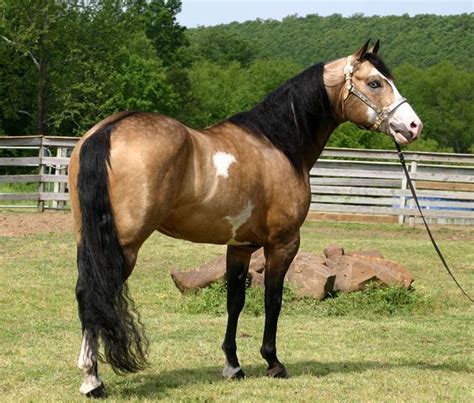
(18, 188)
(373, 301)
(388, 345)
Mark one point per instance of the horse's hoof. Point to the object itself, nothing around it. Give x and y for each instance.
(278, 371)
(233, 373)
(97, 393)
(239, 375)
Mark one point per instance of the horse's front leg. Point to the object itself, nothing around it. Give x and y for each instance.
(237, 265)
(278, 259)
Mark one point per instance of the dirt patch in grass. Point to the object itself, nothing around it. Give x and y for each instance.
(19, 224)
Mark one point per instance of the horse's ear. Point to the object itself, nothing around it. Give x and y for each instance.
(375, 49)
(362, 50)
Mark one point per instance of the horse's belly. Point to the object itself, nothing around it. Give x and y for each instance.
(208, 225)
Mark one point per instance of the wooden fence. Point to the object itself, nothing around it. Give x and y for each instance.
(371, 182)
(47, 169)
(343, 181)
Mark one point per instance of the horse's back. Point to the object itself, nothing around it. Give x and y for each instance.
(148, 154)
(220, 185)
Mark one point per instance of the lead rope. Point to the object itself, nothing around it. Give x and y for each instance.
(412, 189)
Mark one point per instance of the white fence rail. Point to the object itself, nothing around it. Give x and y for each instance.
(371, 182)
(343, 181)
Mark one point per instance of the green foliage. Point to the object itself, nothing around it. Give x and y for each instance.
(421, 40)
(81, 61)
(439, 92)
(221, 47)
(442, 95)
(221, 91)
(374, 300)
(210, 300)
(64, 65)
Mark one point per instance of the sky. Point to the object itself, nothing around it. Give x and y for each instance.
(213, 12)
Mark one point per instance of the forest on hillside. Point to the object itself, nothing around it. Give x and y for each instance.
(66, 64)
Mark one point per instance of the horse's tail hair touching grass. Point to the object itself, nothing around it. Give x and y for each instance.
(105, 307)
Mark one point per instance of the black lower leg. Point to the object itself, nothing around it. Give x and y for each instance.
(273, 299)
(237, 266)
(278, 260)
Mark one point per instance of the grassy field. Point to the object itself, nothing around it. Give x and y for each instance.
(352, 349)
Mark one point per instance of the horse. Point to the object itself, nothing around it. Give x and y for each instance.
(243, 182)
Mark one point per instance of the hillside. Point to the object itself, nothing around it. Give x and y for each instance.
(422, 40)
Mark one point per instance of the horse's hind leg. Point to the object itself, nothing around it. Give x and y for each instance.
(278, 259)
(92, 385)
(238, 259)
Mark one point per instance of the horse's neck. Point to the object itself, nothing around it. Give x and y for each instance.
(312, 154)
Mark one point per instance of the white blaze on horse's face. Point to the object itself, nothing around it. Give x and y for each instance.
(403, 124)
(222, 161)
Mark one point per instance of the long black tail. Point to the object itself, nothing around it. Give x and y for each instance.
(105, 307)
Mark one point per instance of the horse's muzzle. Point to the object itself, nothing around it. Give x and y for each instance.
(405, 126)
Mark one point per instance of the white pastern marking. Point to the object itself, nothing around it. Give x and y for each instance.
(228, 371)
(85, 359)
(90, 383)
(222, 161)
(86, 362)
(238, 220)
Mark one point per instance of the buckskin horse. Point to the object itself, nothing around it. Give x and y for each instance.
(243, 182)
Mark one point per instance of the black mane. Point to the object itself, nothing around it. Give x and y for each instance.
(292, 115)
(376, 61)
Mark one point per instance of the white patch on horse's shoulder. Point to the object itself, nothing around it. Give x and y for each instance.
(228, 371)
(222, 161)
(236, 221)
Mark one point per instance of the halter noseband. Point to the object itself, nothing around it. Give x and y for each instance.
(382, 113)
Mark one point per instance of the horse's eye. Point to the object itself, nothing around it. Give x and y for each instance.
(374, 84)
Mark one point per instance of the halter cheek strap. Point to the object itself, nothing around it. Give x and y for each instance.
(382, 114)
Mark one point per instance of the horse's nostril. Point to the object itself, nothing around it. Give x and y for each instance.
(413, 125)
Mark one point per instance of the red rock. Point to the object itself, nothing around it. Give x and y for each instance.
(389, 272)
(353, 273)
(316, 282)
(333, 251)
(256, 279)
(257, 263)
(309, 274)
(331, 263)
(201, 277)
(368, 253)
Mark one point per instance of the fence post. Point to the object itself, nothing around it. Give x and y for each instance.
(403, 198)
(413, 170)
(59, 187)
(41, 171)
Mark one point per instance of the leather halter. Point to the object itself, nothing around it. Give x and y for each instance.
(382, 113)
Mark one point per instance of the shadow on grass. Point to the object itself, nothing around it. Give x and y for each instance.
(154, 385)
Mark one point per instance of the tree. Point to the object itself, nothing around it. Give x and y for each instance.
(221, 91)
(68, 63)
(442, 96)
(161, 27)
(32, 30)
(221, 47)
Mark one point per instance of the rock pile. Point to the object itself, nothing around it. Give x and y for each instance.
(309, 275)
